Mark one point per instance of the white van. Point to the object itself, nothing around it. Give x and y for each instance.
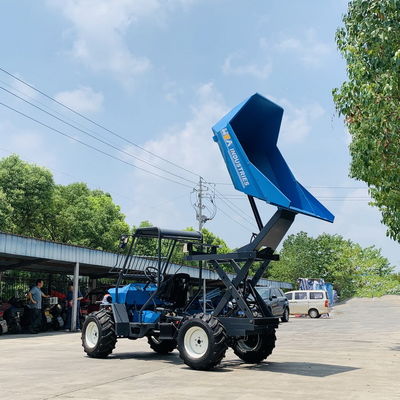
(311, 302)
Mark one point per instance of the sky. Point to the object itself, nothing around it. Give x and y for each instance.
(154, 76)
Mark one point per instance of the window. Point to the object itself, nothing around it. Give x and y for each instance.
(300, 296)
(289, 296)
(275, 292)
(263, 292)
(316, 295)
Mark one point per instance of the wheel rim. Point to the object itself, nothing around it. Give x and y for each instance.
(91, 334)
(249, 344)
(286, 314)
(313, 314)
(196, 342)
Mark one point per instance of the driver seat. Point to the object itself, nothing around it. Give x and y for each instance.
(174, 289)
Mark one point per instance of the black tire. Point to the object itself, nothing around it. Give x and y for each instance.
(162, 346)
(285, 316)
(313, 313)
(255, 348)
(211, 339)
(98, 334)
(14, 327)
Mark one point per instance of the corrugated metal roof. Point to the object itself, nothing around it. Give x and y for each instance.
(31, 248)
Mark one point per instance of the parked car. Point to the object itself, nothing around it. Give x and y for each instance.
(311, 302)
(276, 300)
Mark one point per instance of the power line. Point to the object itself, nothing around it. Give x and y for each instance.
(49, 108)
(236, 212)
(237, 222)
(114, 193)
(311, 187)
(90, 146)
(96, 123)
(95, 137)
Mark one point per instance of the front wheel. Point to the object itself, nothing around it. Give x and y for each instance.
(255, 348)
(162, 346)
(202, 342)
(98, 334)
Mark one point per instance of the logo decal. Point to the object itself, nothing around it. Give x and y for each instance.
(234, 157)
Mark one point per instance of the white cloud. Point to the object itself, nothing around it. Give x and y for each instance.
(310, 50)
(234, 66)
(30, 145)
(99, 29)
(84, 99)
(297, 121)
(190, 146)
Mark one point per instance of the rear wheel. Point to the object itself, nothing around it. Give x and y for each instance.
(162, 346)
(98, 334)
(285, 316)
(202, 342)
(255, 348)
(313, 313)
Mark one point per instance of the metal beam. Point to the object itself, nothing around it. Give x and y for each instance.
(22, 264)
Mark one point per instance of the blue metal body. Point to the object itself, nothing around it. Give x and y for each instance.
(134, 296)
(247, 137)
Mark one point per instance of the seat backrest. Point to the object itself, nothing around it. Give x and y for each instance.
(174, 289)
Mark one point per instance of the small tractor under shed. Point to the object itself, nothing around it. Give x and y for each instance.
(171, 310)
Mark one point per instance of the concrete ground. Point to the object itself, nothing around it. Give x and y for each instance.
(355, 354)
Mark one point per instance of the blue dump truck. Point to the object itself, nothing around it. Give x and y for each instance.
(167, 308)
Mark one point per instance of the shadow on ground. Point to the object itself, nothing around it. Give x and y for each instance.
(172, 358)
(294, 368)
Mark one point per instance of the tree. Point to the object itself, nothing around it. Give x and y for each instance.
(32, 204)
(211, 238)
(25, 194)
(85, 217)
(6, 212)
(370, 101)
(347, 265)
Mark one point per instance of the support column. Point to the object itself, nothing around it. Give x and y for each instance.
(75, 298)
(204, 296)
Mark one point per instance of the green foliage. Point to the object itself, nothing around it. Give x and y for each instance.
(32, 204)
(347, 265)
(25, 193)
(370, 101)
(376, 286)
(211, 238)
(85, 217)
(395, 290)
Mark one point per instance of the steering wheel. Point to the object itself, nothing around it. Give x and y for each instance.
(151, 274)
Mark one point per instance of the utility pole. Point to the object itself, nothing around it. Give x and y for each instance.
(200, 216)
(205, 200)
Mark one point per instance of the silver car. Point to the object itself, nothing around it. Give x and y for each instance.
(311, 302)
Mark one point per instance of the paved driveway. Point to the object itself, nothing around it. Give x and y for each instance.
(353, 355)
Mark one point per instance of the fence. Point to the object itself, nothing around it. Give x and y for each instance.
(18, 283)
